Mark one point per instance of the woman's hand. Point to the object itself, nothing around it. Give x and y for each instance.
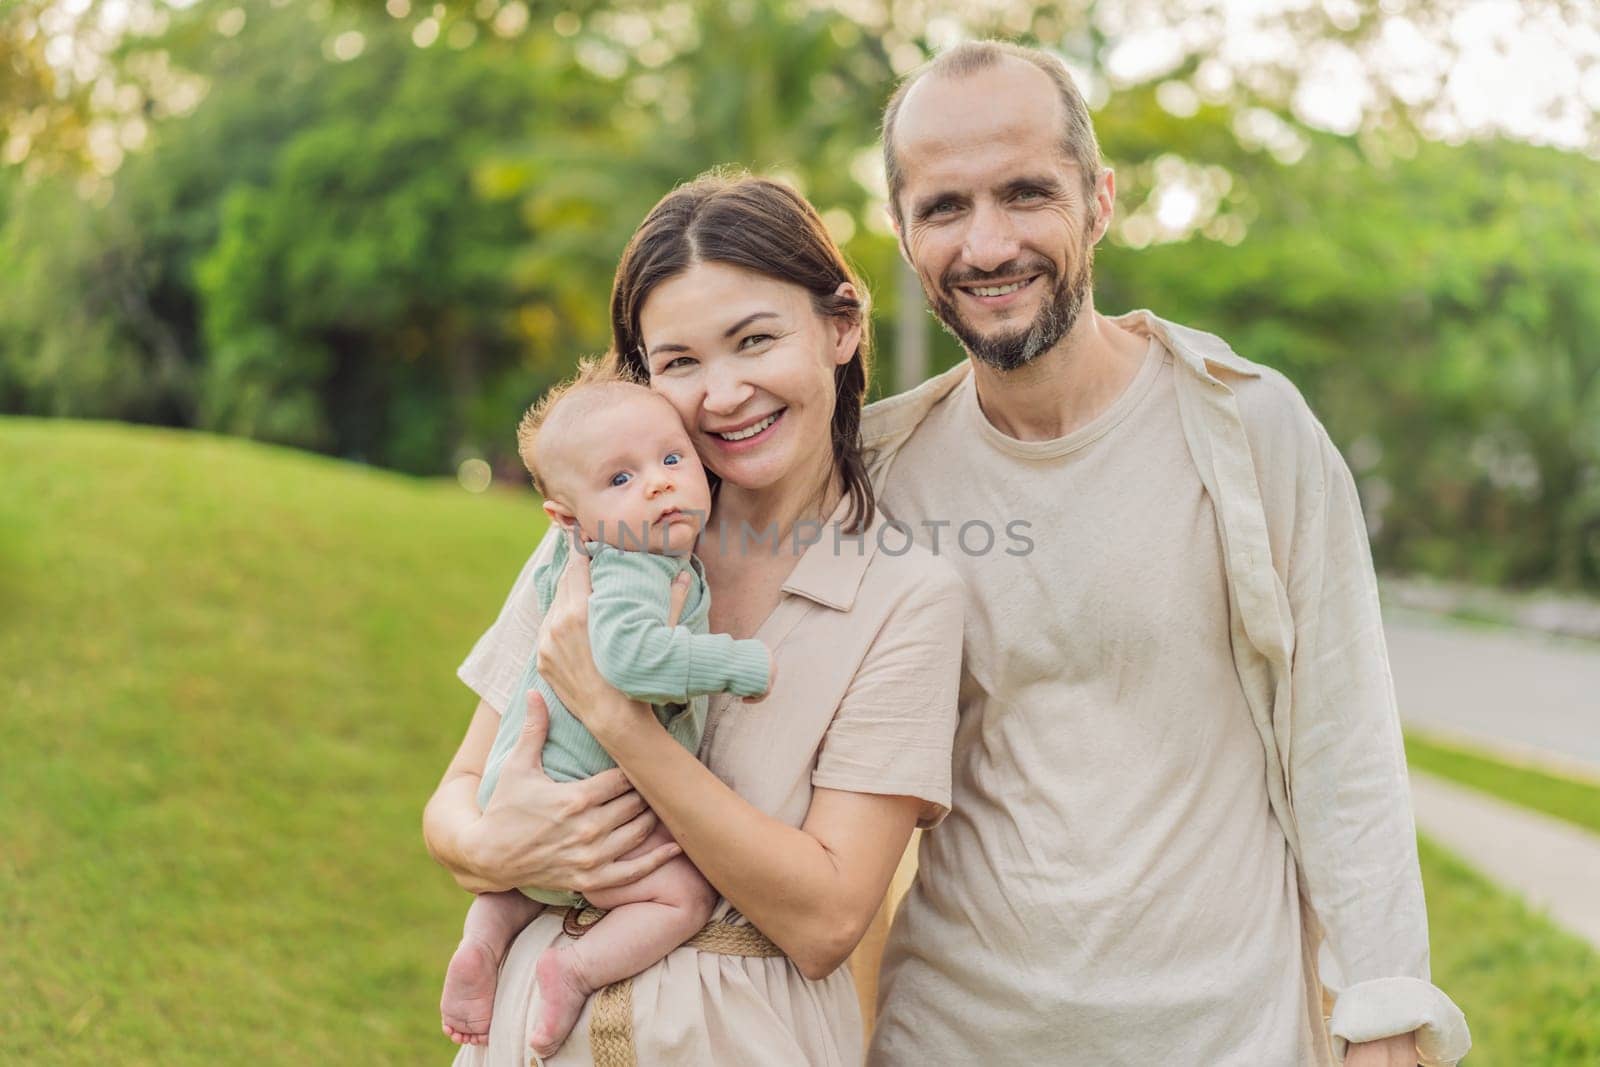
(560, 835)
(566, 659)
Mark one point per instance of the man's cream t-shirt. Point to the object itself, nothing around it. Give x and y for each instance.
(1111, 886)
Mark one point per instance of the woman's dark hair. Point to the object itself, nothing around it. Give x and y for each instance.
(764, 227)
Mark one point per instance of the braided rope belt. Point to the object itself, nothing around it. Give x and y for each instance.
(611, 1016)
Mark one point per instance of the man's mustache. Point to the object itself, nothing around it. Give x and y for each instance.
(1010, 269)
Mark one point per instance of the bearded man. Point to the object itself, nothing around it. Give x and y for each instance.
(1178, 774)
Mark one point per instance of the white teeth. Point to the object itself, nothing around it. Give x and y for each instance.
(751, 431)
(1000, 290)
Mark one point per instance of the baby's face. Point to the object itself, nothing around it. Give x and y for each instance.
(633, 478)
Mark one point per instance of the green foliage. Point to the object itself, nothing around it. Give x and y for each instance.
(362, 275)
(66, 293)
(386, 256)
(1440, 308)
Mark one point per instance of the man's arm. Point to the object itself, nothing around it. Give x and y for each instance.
(642, 655)
(1347, 782)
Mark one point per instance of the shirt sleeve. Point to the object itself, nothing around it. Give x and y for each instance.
(1347, 779)
(893, 731)
(496, 662)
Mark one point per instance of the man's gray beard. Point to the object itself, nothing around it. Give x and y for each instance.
(1007, 352)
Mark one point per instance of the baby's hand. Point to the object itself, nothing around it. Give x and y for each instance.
(772, 679)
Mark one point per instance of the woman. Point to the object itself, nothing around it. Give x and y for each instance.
(733, 303)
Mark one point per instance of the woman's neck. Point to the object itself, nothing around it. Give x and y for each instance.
(776, 509)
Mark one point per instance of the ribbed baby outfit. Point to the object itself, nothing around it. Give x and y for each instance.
(672, 667)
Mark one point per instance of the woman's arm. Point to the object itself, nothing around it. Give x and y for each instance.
(534, 831)
(814, 889)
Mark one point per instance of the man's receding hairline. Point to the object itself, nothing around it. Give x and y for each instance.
(967, 67)
(931, 75)
(973, 58)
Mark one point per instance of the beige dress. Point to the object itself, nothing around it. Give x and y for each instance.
(867, 641)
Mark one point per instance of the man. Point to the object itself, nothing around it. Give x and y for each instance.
(1178, 770)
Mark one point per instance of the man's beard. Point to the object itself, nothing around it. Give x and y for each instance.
(1057, 315)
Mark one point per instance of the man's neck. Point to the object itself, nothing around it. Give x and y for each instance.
(1066, 387)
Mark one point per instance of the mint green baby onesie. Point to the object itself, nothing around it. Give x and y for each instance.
(671, 667)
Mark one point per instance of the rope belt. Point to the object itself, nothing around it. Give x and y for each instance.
(611, 1016)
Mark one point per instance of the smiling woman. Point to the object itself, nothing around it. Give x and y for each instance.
(734, 305)
(758, 254)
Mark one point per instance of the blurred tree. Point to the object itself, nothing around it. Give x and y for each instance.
(379, 233)
(1440, 312)
(357, 296)
(43, 113)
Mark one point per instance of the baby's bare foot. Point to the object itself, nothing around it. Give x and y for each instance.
(468, 1001)
(562, 993)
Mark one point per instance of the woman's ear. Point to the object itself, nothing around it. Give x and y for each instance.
(847, 328)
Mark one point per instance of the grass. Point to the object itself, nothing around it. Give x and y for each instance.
(1565, 798)
(1531, 992)
(227, 675)
(226, 690)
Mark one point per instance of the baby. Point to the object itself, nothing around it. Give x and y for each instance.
(616, 469)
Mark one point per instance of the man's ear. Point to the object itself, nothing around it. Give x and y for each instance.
(1105, 203)
(894, 227)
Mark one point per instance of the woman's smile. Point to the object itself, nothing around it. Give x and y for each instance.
(749, 436)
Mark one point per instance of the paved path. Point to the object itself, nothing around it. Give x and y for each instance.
(1515, 690)
(1551, 864)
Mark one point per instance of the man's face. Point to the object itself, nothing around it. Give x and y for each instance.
(995, 218)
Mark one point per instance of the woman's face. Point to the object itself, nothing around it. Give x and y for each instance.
(749, 365)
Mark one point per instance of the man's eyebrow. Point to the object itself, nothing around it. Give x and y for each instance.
(924, 204)
(1042, 182)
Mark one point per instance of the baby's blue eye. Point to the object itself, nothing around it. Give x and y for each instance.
(673, 459)
(620, 478)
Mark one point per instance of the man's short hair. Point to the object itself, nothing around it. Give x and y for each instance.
(1077, 133)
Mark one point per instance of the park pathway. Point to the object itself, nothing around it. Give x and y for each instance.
(1522, 696)
(1515, 691)
(1550, 863)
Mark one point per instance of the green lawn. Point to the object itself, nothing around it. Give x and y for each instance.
(1531, 992)
(226, 689)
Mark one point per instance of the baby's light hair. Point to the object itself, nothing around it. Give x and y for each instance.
(592, 373)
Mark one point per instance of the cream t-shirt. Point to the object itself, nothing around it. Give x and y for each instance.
(1111, 886)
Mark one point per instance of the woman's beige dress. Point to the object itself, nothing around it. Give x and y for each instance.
(867, 638)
